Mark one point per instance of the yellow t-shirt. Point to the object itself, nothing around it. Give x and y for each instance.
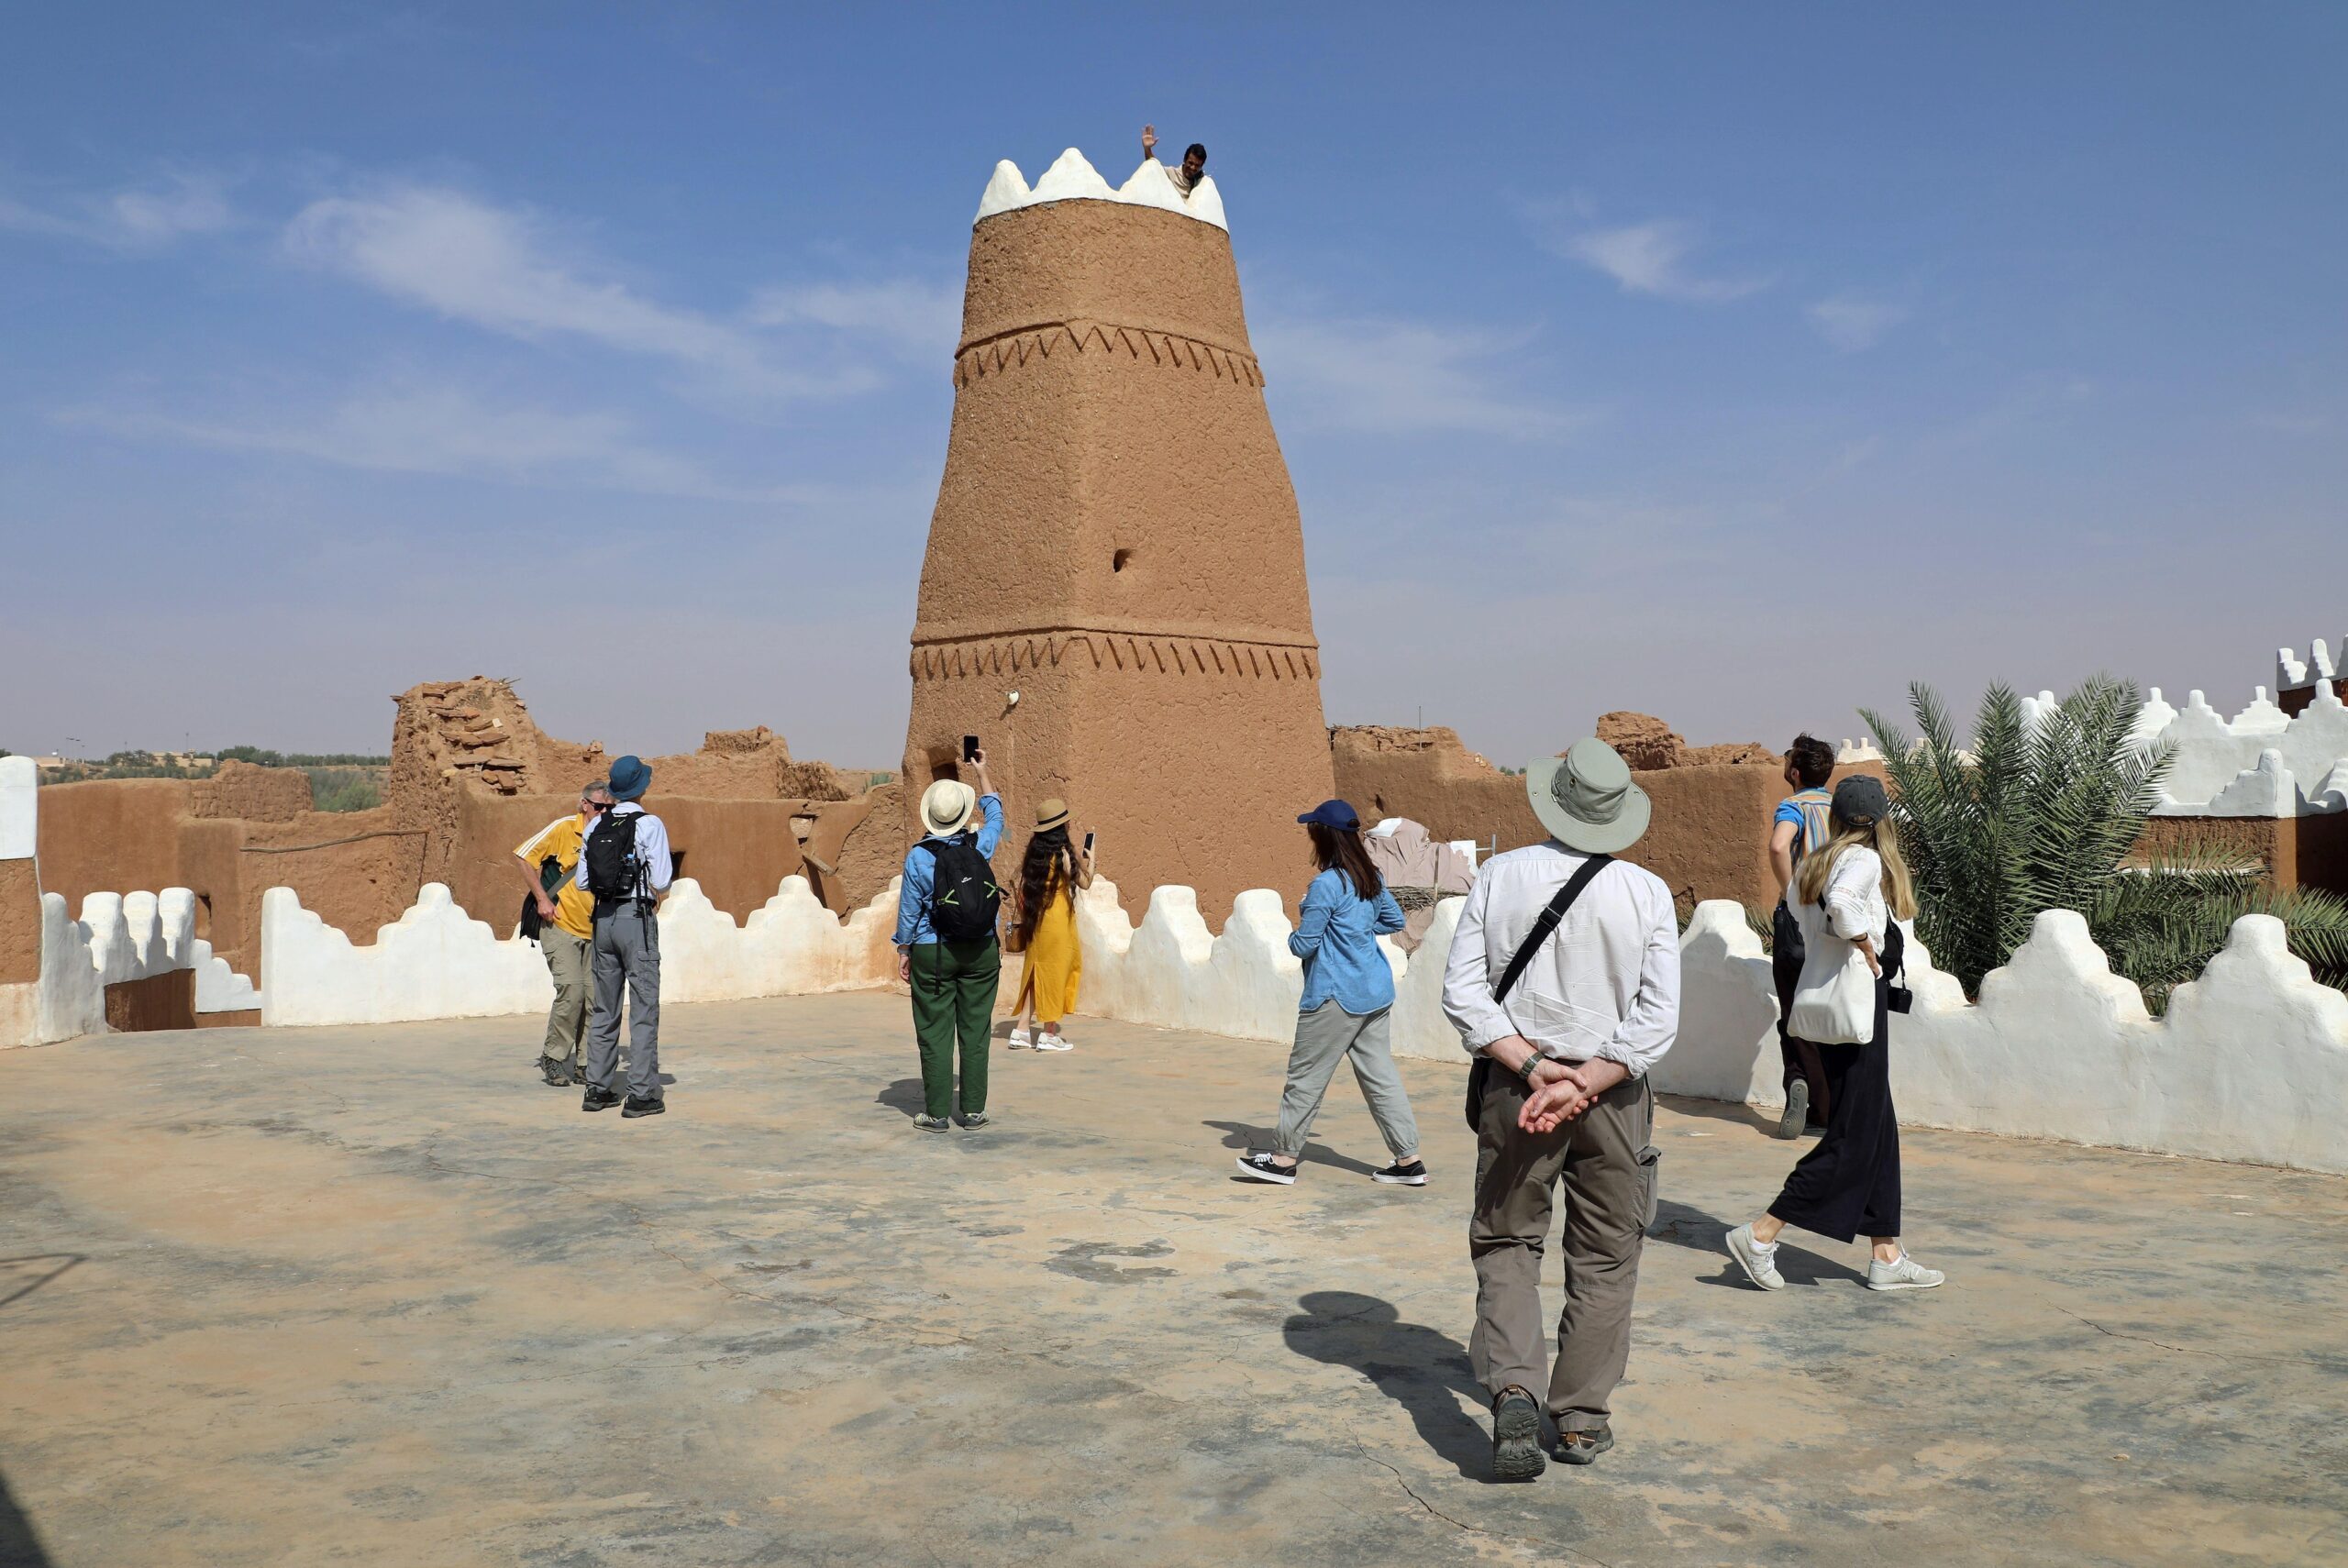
(574, 906)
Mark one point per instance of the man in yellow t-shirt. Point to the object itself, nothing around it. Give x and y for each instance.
(568, 911)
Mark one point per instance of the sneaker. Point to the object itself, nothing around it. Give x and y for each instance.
(1256, 1165)
(1583, 1448)
(1516, 1437)
(929, 1123)
(1413, 1174)
(635, 1107)
(1797, 1113)
(1050, 1040)
(977, 1119)
(598, 1099)
(557, 1074)
(1759, 1262)
(1020, 1039)
(1905, 1275)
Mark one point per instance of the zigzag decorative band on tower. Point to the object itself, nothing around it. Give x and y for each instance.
(1013, 349)
(1115, 651)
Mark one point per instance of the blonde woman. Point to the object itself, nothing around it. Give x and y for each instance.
(1846, 897)
(1049, 875)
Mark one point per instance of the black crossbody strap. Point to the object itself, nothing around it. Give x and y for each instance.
(1546, 926)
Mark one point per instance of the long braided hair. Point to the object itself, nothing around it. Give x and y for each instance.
(1047, 862)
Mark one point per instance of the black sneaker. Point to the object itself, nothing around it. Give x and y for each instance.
(1516, 1437)
(1583, 1448)
(636, 1108)
(1790, 1125)
(557, 1074)
(976, 1119)
(1257, 1166)
(598, 1099)
(1413, 1174)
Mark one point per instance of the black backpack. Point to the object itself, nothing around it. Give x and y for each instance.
(964, 902)
(610, 858)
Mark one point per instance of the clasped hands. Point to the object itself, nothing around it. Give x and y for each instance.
(1560, 1090)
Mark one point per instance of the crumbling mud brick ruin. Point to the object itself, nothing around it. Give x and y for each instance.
(1117, 542)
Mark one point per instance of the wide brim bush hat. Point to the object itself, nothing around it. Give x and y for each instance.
(1338, 814)
(1586, 799)
(1861, 801)
(1051, 814)
(948, 806)
(631, 777)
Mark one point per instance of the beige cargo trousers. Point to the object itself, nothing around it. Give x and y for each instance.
(1605, 1159)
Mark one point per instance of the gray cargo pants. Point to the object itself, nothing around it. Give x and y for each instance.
(567, 1019)
(627, 947)
(1607, 1162)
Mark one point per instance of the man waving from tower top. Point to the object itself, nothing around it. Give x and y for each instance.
(1184, 174)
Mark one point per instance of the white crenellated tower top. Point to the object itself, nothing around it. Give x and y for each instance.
(1071, 178)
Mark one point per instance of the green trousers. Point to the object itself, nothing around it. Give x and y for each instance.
(954, 986)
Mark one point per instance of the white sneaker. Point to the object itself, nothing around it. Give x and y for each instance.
(1051, 1040)
(1907, 1273)
(1019, 1040)
(1759, 1262)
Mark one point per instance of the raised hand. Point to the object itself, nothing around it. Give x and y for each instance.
(1148, 140)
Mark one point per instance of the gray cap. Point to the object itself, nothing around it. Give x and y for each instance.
(1860, 800)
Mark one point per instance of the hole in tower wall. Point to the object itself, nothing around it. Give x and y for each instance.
(1119, 561)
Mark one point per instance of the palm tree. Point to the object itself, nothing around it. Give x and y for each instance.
(2044, 816)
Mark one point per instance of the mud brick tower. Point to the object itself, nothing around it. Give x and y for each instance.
(1116, 541)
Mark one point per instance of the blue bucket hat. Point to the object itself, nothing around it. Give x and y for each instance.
(630, 778)
(1336, 814)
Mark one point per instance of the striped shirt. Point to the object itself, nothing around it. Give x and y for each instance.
(1810, 811)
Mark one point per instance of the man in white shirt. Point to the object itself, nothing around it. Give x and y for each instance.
(1565, 1094)
(626, 864)
(1185, 175)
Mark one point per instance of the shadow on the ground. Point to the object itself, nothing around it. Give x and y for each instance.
(1420, 1368)
(20, 1276)
(905, 1095)
(1752, 1116)
(20, 1545)
(1243, 1136)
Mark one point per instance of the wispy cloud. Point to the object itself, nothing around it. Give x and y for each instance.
(1402, 377)
(503, 268)
(1853, 323)
(438, 430)
(920, 320)
(137, 218)
(1652, 259)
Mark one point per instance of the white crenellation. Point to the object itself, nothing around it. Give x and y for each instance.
(2221, 768)
(19, 807)
(1073, 179)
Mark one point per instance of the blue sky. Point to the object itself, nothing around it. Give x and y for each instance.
(1737, 364)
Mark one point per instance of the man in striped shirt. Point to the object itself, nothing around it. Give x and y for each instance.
(1799, 826)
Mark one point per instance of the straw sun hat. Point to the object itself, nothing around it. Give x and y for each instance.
(948, 806)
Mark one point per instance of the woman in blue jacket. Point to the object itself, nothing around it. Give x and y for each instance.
(1348, 994)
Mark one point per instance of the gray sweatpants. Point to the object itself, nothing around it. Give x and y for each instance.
(1604, 1161)
(627, 947)
(1325, 1036)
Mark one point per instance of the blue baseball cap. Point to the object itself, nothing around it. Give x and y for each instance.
(1336, 814)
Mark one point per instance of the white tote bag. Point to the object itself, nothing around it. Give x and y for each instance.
(1835, 1000)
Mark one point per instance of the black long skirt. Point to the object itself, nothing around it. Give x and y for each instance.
(1849, 1185)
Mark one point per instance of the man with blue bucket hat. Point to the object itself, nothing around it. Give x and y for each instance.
(625, 864)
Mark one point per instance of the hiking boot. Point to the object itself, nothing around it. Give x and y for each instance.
(1583, 1448)
(1759, 1264)
(635, 1107)
(557, 1074)
(1516, 1436)
(1256, 1165)
(1413, 1174)
(1797, 1112)
(929, 1123)
(1907, 1273)
(598, 1099)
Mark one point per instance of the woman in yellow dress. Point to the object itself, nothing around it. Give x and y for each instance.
(1048, 874)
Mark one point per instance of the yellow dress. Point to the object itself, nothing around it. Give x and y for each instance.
(1053, 961)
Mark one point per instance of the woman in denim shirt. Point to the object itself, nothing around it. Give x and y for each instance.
(1348, 994)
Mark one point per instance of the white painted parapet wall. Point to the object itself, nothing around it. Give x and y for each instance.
(1073, 179)
(436, 961)
(2259, 763)
(2251, 1061)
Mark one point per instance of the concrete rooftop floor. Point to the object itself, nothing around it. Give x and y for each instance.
(377, 1295)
